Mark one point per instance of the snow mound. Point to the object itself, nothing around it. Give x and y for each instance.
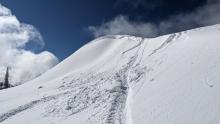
(124, 79)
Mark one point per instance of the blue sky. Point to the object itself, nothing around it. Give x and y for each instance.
(66, 25)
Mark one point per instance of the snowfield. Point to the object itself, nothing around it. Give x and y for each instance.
(120, 79)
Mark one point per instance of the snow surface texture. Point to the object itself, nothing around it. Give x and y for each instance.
(172, 79)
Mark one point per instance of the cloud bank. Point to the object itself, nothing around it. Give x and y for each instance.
(14, 36)
(202, 16)
(122, 25)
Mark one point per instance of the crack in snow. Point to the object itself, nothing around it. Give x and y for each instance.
(166, 42)
(22, 108)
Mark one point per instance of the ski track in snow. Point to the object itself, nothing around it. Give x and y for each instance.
(81, 93)
(103, 93)
(181, 79)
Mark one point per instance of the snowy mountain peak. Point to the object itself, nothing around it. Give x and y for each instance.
(122, 79)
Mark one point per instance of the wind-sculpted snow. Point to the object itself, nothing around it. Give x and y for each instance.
(126, 80)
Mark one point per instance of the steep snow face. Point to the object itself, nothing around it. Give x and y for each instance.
(126, 80)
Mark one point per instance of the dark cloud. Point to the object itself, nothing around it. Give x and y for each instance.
(148, 4)
(202, 16)
(207, 14)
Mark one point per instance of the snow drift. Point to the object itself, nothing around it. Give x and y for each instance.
(124, 79)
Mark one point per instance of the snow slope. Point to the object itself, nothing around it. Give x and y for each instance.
(126, 80)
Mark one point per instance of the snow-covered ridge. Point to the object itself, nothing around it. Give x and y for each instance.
(124, 79)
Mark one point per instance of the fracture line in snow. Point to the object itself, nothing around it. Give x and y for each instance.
(133, 47)
(167, 41)
(22, 108)
(13, 112)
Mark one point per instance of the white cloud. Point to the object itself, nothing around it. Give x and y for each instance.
(14, 36)
(122, 25)
(202, 16)
(4, 11)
